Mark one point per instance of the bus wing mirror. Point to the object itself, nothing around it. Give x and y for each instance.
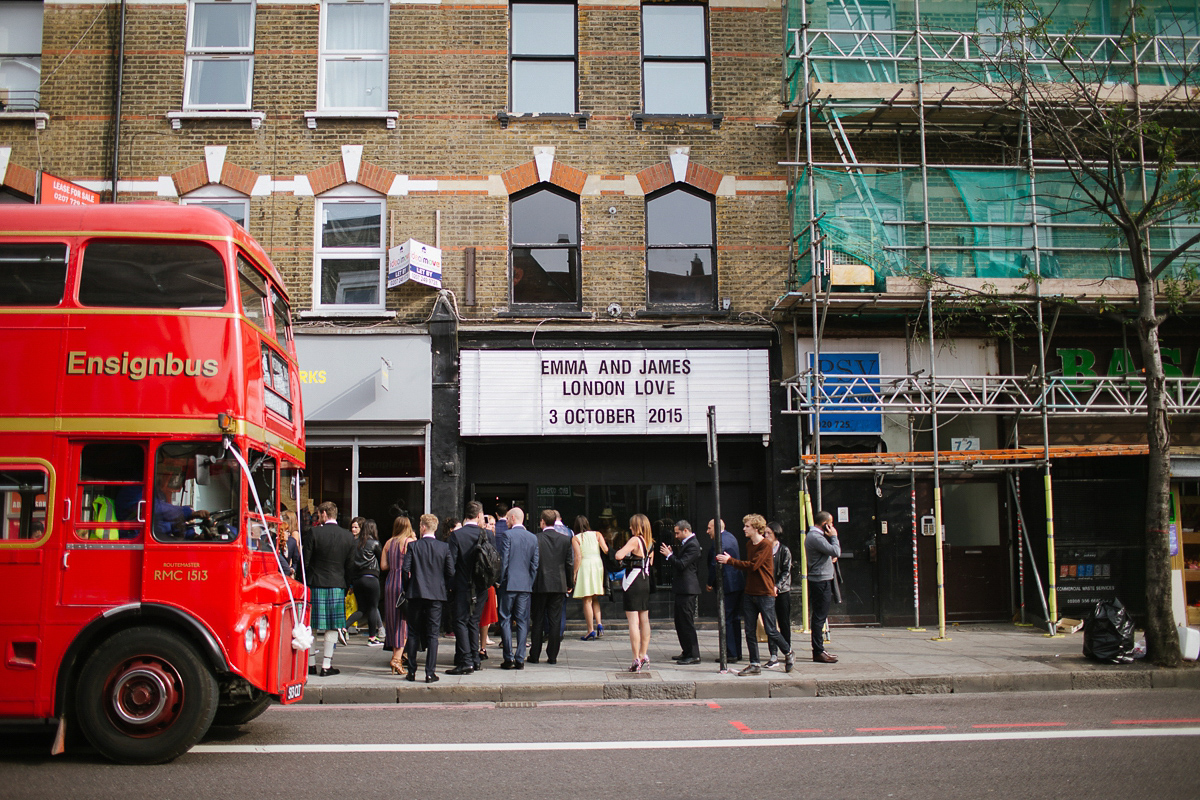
(202, 463)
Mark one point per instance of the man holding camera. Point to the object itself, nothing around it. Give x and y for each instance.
(821, 546)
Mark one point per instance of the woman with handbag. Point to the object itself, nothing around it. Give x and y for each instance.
(396, 627)
(637, 556)
(366, 579)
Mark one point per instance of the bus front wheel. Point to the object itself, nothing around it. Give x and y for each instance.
(145, 697)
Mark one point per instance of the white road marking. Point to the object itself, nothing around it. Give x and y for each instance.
(693, 744)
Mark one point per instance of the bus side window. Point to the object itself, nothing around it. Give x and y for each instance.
(23, 491)
(111, 491)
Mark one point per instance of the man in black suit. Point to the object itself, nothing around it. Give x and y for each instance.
(685, 583)
(466, 614)
(329, 568)
(555, 578)
(428, 569)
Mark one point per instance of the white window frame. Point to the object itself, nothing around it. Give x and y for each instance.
(516, 58)
(329, 56)
(865, 19)
(15, 59)
(197, 56)
(889, 211)
(703, 59)
(346, 195)
(216, 196)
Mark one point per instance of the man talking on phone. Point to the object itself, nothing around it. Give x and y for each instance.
(821, 546)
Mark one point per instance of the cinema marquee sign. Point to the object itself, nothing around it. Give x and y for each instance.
(613, 392)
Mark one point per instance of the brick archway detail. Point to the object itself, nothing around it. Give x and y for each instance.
(20, 179)
(661, 175)
(189, 179)
(333, 175)
(526, 175)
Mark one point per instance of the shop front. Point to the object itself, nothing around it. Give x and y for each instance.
(367, 410)
(609, 432)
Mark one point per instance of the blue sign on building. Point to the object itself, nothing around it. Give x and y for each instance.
(844, 392)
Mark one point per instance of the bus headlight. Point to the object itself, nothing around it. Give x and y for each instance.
(249, 640)
(262, 627)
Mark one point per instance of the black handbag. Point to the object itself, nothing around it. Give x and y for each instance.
(402, 602)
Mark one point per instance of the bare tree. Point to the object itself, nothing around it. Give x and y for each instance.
(1123, 140)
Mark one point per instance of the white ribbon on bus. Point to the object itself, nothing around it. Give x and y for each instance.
(302, 637)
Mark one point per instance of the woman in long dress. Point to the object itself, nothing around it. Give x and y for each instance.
(395, 626)
(637, 556)
(586, 546)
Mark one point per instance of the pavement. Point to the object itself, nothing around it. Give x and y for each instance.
(873, 661)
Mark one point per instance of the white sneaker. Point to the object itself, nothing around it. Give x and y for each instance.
(374, 642)
(342, 637)
(772, 663)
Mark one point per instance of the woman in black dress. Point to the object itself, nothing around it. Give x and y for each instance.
(638, 555)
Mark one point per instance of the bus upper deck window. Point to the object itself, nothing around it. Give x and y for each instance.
(32, 274)
(149, 274)
(254, 293)
(283, 318)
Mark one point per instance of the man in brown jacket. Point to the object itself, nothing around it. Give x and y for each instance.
(758, 598)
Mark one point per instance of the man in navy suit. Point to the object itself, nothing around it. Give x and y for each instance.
(733, 584)
(555, 578)
(685, 583)
(519, 559)
(466, 614)
(428, 569)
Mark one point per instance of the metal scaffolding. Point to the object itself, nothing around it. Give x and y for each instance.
(908, 60)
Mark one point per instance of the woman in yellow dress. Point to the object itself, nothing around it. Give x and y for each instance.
(586, 546)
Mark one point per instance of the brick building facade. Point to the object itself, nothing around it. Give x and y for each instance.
(431, 131)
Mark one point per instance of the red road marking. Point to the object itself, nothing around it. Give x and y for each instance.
(743, 728)
(714, 705)
(906, 728)
(1021, 725)
(1151, 721)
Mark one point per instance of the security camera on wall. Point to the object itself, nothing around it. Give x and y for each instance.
(614, 310)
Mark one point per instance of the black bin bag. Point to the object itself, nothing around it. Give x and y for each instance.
(1108, 633)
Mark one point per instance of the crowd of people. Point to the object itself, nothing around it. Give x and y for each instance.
(483, 570)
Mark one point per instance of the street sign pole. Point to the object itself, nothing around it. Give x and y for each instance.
(717, 531)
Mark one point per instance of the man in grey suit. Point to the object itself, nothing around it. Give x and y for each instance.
(519, 559)
(428, 569)
(555, 578)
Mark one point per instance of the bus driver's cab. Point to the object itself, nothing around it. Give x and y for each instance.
(196, 493)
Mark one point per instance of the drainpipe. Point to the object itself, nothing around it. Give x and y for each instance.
(116, 148)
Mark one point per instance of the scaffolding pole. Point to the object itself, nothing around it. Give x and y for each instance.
(806, 521)
(912, 495)
(1052, 589)
(939, 542)
(937, 482)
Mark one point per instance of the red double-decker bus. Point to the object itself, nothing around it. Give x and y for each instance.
(151, 435)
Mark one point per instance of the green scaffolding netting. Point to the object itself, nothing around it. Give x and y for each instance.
(983, 223)
(879, 41)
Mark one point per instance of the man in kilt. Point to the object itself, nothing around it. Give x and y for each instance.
(329, 565)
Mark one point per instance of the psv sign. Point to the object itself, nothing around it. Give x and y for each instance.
(417, 262)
